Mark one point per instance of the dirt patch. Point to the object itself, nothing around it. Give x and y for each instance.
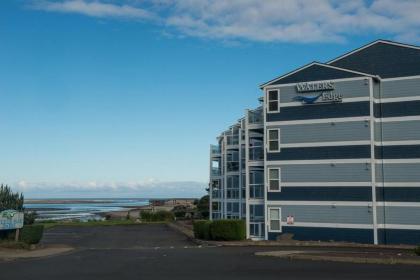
(42, 251)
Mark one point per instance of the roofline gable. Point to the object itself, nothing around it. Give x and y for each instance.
(371, 44)
(311, 64)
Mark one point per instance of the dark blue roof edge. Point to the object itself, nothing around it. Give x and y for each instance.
(310, 64)
(389, 42)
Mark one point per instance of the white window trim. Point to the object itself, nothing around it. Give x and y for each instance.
(268, 101)
(269, 140)
(269, 179)
(269, 219)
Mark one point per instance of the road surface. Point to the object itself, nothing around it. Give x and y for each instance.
(159, 253)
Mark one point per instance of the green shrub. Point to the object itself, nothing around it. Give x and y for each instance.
(29, 217)
(202, 229)
(417, 250)
(228, 230)
(159, 216)
(31, 234)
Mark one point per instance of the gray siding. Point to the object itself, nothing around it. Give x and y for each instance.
(327, 214)
(351, 172)
(324, 132)
(398, 172)
(347, 88)
(397, 131)
(398, 215)
(400, 88)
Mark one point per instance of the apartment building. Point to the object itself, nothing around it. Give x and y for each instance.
(332, 153)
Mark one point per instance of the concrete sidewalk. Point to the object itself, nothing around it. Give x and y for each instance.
(313, 250)
(359, 256)
(187, 230)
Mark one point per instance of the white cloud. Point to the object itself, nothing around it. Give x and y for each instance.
(93, 8)
(263, 21)
(144, 189)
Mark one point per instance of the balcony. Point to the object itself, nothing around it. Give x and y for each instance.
(256, 191)
(256, 116)
(216, 194)
(215, 150)
(232, 166)
(256, 153)
(232, 139)
(215, 171)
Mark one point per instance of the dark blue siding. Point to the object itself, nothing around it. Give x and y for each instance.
(326, 234)
(321, 111)
(395, 152)
(322, 194)
(312, 153)
(408, 194)
(315, 73)
(399, 236)
(385, 60)
(397, 109)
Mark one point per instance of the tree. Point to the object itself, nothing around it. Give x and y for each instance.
(203, 207)
(9, 199)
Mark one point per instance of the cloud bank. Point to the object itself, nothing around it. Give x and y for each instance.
(148, 189)
(299, 21)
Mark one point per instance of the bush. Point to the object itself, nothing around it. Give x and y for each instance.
(417, 250)
(159, 216)
(29, 217)
(31, 234)
(180, 211)
(228, 230)
(202, 229)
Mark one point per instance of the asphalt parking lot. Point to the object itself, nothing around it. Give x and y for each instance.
(157, 252)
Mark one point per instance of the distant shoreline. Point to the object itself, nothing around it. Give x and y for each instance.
(80, 201)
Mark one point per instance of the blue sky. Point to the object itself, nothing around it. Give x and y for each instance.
(107, 98)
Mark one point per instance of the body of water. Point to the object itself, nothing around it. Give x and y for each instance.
(80, 209)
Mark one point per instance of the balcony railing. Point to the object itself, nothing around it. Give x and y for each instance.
(232, 139)
(232, 166)
(256, 190)
(215, 149)
(216, 194)
(256, 153)
(216, 172)
(255, 117)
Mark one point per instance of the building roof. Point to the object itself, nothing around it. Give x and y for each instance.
(315, 71)
(382, 58)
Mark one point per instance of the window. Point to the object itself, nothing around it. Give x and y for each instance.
(275, 219)
(274, 179)
(273, 100)
(273, 140)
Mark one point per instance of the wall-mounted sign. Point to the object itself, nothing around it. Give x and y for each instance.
(11, 219)
(290, 220)
(309, 87)
(325, 89)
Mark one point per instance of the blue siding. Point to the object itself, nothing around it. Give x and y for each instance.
(385, 60)
(407, 194)
(315, 73)
(326, 234)
(321, 111)
(397, 109)
(312, 153)
(395, 152)
(322, 194)
(399, 236)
